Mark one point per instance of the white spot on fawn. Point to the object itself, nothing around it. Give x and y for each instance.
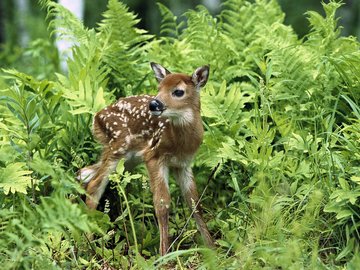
(117, 134)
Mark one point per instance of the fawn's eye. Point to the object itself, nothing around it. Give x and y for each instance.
(178, 93)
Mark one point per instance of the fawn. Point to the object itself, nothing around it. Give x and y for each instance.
(164, 131)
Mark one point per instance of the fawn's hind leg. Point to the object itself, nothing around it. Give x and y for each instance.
(87, 173)
(185, 179)
(95, 177)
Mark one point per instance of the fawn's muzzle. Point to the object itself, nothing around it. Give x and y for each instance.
(156, 107)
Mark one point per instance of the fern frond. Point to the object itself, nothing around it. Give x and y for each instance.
(123, 44)
(202, 32)
(169, 27)
(240, 19)
(13, 178)
(86, 99)
(324, 30)
(347, 65)
(64, 24)
(58, 213)
(225, 117)
(246, 27)
(225, 106)
(44, 3)
(119, 25)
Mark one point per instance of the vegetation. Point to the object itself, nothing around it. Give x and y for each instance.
(282, 124)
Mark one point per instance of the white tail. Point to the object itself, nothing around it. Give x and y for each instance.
(163, 131)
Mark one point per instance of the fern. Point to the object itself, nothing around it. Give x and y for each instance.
(64, 24)
(225, 118)
(123, 45)
(169, 26)
(81, 101)
(239, 24)
(27, 244)
(202, 32)
(226, 106)
(57, 213)
(13, 179)
(324, 28)
(119, 25)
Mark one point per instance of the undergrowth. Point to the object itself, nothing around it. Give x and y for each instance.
(282, 124)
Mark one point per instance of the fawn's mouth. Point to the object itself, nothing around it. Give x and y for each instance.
(156, 113)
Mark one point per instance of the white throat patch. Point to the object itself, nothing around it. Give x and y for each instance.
(180, 117)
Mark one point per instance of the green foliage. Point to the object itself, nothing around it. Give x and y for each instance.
(281, 118)
(15, 180)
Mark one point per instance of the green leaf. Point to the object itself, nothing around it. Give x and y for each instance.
(344, 214)
(347, 250)
(14, 179)
(355, 179)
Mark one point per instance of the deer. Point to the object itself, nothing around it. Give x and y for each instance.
(163, 131)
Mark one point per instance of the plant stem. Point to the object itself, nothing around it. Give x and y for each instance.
(130, 217)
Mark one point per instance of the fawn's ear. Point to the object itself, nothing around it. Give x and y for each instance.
(200, 76)
(160, 71)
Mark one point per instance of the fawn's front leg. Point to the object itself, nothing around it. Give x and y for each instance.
(159, 177)
(185, 179)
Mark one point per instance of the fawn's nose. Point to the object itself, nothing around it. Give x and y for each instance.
(156, 107)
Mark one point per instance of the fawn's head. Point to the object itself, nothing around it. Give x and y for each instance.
(179, 94)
